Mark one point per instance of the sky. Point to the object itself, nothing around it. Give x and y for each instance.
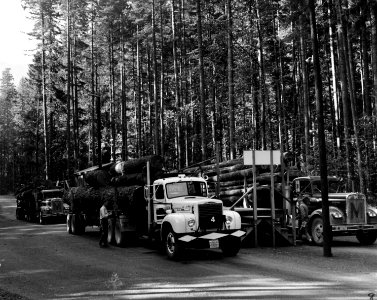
(16, 47)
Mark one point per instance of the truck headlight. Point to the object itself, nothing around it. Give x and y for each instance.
(228, 220)
(336, 215)
(191, 222)
(371, 213)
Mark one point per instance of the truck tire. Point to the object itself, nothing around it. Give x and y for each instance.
(41, 219)
(120, 237)
(366, 238)
(69, 226)
(316, 230)
(172, 248)
(77, 225)
(19, 216)
(230, 247)
(110, 231)
(29, 218)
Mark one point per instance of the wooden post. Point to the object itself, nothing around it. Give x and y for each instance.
(272, 198)
(217, 170)
(149, 200)
(255, 206)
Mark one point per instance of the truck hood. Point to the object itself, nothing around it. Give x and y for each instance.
(185, 203)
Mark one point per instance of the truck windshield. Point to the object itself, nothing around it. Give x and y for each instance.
(335, 186)
(187, 188)
(52, 194)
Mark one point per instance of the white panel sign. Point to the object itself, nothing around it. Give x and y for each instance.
(262, 157)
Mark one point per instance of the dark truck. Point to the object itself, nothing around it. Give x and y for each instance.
(350, 214)
(41, 205)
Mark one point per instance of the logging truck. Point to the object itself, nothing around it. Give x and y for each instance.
(350, 214)
(41, 205)
(173, 210)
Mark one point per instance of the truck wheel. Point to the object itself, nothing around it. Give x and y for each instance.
(18, 215)
(317, 231)
(231, 248)
(120, 237)
(366, 238)
(76, 225)
(172, 248)
(41, 219)
(110, 231)
(69, 223)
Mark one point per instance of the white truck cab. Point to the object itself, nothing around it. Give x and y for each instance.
(186, 217)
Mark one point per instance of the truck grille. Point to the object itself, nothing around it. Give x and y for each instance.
(57, 206)
(356, 208)
(210, 215)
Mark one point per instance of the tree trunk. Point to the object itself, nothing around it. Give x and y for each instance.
(44, 100)
(232, 122)
(176, 90)
(305, 86)
(345, 97)
(201, 83)
(68, 149)
(162, 87)
(321, 133)
(350, 78)
(262, 88)
(157, 146)
(138, 95)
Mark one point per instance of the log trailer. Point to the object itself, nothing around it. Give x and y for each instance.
(173, 210)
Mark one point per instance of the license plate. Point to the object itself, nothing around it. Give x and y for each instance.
(214, 243)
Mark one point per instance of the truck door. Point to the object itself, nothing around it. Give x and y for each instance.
(159, 204)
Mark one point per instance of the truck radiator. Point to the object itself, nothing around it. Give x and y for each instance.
(356, 209)
(210, 215)
(57, 206)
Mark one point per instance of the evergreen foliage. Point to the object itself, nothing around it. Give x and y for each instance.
(124, 78)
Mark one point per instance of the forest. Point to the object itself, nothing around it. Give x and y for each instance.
(186, 79)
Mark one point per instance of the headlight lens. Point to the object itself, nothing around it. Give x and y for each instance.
(229, 220)
(336, 215)
(191, 222)
(372, 213)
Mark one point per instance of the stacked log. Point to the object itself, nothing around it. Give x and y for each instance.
(233, 177)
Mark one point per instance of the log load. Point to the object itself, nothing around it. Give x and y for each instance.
(125, 173)
(127, 199)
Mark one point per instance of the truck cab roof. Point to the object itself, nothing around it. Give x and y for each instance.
(179, 178)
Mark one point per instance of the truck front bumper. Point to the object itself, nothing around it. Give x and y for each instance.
(339, 229)
(210, 240)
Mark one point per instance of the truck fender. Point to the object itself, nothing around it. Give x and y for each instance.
(178, 222)
(318, 212)
(236, 219)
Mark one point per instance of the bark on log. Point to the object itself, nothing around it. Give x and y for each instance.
(137, 165)
(212, 166)
(234, 192)
(225, 170)
(97, 178)
(89, 200)
(237, 175)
